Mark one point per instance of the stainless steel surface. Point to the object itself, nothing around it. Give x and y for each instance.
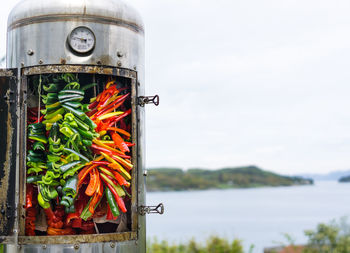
(42, 27)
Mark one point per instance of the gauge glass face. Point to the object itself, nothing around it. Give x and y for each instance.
(82, 39)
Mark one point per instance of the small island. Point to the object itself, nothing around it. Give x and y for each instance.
(345, 179)
(173, 179)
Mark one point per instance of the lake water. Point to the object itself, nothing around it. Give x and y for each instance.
(257, 216)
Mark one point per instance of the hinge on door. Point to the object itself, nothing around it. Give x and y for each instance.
(7, 96)
(151, 209)
(148, 100)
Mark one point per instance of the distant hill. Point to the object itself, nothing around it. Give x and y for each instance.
(174, 179)
(332, 176)
(345, 179)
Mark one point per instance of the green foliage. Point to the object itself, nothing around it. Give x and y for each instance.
(331, 237)
(213, 245)
(166, 179)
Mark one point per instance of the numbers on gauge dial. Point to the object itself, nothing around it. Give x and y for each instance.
(82, 39)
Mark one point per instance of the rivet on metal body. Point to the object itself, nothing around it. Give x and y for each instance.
(41, 61)
(30, 52)
(76, 246)
(44, 247)
(145, 173)
(119, 63)
(112, 245)
(119, 54)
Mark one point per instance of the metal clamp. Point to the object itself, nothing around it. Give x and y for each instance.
(151, 209)
(148, 100)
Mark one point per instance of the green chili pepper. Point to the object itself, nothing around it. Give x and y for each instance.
(33, 179)
(86, 134)
(41, 138)
(88, 121)
(80, 155)
(85, 108)
(53, 106)
(82, 125)
(67, 166)
(53, 158)
(76, 112)
(68, 77)
(56, 148)
(44, 204)
(54, 113)
(34, 159)
(87, 143)
(72, 86)
(70, 92)
(50, 98)
(37, 165)
(71, 172)
(35, 170)
(52, 87)
(38, 146)
(72, 99)
(66, 131)
(88, 86)
(53, 119)
(111, 202)
(73, 104)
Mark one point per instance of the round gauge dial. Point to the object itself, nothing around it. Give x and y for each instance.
(82, 40)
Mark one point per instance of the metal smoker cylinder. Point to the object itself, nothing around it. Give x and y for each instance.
(63, 42)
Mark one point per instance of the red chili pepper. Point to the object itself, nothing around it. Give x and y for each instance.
(84, 172)
(101, 149)
(115, 119)
(87, 225)
(93, 105)
(114, 105)
(90, 113)
(97, 197)
(59, 231)
(118, 140)
(130, 144)
(119, 200)
(100, 162)
(29, 195)
(93, 184)
(72, 216)
(120, 179)
(119, 131)
(110, 215)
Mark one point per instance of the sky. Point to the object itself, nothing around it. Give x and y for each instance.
(245, 82)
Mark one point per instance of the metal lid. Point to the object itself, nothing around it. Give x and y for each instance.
(33, 11)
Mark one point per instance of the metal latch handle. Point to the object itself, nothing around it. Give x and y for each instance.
(152, 209)
(148, 100)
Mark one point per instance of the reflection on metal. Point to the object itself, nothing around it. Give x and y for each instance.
(152, 209)
(8, 134)
(148, 100)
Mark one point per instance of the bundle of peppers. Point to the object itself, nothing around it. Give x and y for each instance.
(77, 157)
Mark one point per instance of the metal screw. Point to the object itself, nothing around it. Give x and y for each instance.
(145, 172)
(112, 245)
(41, 61)
(119, 54)
(135, 67)
(44, 246)
(30, 52)
(119, 63)
(76, 246)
